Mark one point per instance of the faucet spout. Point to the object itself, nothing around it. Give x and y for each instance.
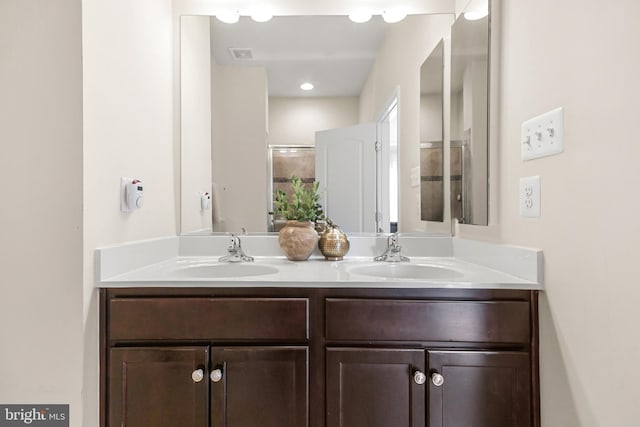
(235, 252)
(392, 253)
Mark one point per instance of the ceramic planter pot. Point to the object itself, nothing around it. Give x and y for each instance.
(298, 239)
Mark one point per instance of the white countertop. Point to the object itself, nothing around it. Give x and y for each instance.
(182, 262)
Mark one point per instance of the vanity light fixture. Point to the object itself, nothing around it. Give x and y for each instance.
(228, 17)
(474, 15)
(360, 16)
(394, 15)
(477, 9)
(261, 13)
(306, 86)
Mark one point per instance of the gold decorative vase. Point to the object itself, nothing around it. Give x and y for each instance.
(298, 239)
(333, 243)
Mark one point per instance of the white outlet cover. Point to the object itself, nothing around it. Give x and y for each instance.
(529, 197)
(542, 135)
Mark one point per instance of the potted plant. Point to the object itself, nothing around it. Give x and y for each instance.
(302, 210)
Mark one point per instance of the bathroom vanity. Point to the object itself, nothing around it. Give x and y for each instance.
(349, 350)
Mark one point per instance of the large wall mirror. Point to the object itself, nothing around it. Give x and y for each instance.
(432, 136)
(469, 118)
(234, 117)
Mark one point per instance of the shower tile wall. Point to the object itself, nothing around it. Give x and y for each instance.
(456, 182)
(286, 164)
(431, 185)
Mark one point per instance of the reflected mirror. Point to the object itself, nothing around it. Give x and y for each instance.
(469, 119)
(232, 118)
(432, 136)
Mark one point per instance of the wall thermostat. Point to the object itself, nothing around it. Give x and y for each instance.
(131, 194)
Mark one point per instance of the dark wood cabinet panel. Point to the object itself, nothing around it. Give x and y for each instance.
(374, 388)
(209, 318)
(406, 320)
(154, 387)
(260, 387)
(319, 357)
(480, 389)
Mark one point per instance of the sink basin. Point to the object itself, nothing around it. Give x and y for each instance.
(406, 271)
(222, 270)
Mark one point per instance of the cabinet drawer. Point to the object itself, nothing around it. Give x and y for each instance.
(410, 320)
(208, 318)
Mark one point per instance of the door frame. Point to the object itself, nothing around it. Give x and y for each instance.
(383, 163)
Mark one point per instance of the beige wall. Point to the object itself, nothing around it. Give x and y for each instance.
(128, 131)
(294, 121)
(403, 51)
(41, 186)
(239, 148)
(586, 60)
(195, 123)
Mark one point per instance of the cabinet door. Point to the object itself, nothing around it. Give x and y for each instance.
(375, 388)
(259, 387)
(479, 389)
(160, 387)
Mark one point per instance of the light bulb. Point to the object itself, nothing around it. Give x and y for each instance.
(228, 17)
(306, 86)
(261, 13)
(394, 15)
(360, 16)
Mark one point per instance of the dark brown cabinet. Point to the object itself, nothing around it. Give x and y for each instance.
(374, 387)
(480, 389)
(259, 386)
(315, 357)
(155, 387)
(184, 386)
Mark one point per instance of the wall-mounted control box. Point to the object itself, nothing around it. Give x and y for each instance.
(131, 194)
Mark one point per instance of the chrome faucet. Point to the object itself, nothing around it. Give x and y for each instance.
(392, 253)
(235, 252)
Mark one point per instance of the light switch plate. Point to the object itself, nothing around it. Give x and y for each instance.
(543, 135)
(530, 197)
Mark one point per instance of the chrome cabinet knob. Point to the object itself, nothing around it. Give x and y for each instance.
(419, 377)
(216, 375)
(197, 375)
(437, 379)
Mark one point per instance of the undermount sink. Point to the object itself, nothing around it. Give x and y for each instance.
(406, 271)
(222, 270)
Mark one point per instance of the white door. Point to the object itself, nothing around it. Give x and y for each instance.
(346, 171)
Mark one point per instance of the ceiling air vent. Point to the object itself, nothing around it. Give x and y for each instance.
(241, 53)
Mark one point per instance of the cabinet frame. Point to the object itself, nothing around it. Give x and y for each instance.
(317, 341)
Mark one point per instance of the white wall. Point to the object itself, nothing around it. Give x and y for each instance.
(195, 123)
(41, 187)
(403, 51)
(588, 230)
(128, 131)
(431, 127)
(239, 147)
(294, 121)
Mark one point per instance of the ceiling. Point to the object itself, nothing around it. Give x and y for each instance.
(331, 52)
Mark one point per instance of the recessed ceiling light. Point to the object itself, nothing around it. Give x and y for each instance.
(360, 16)
(306, 86)
(228, 17)
(394, 15)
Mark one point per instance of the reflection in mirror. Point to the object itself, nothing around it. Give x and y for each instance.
(248, 114)
(469, 120)
(285, 162)
(432, 136)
